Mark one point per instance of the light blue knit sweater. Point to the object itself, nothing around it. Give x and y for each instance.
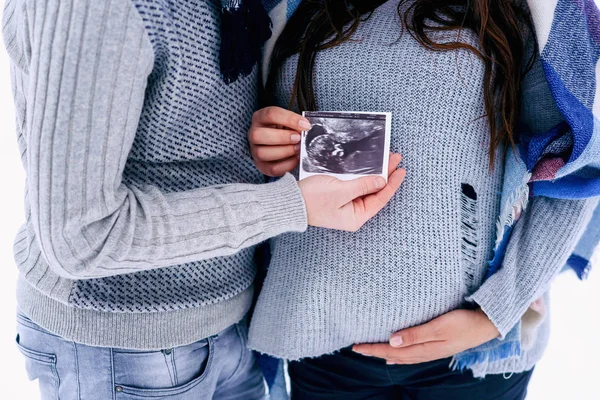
(426, 252)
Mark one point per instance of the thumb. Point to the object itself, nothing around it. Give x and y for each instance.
(350, 190)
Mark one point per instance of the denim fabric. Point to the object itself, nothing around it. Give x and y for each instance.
(278, 389)
(219, 367)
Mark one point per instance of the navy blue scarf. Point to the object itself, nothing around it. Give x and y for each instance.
(245, 27)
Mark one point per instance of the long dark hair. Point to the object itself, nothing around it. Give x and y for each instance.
(502, 26)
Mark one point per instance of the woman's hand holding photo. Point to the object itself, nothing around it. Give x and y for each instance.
(330, 202)
(442, 337)
(348, 205)
(274, 137)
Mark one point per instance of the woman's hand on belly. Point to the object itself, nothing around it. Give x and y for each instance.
(442, 337)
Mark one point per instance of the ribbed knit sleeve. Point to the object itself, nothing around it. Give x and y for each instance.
(540, 244)
(88, 72)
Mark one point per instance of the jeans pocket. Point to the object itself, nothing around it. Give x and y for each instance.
(242, 331)
(171, 373)
(41, 366)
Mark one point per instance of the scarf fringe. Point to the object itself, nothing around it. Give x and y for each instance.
(513, 208)
(468, 359)
(580, 265)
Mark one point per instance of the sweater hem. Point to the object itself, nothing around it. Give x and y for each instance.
(315, 353)
(513, 365)
(135, 331)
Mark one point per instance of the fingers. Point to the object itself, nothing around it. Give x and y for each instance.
(367, 197)
(278, 168)
(373, 203)
(379, 350)
(415, 354)
(270, 116)
(274, 153)
(429, 332)
(419, 353)
(360, 187)
(259, 135)
(393, 162)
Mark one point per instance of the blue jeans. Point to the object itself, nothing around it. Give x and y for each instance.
(219, 367)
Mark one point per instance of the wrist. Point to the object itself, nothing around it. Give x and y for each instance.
(285, 210)
(488, 326)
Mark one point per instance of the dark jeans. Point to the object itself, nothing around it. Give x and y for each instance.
(350, 376)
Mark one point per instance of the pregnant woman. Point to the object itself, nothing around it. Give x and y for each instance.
(452, 74)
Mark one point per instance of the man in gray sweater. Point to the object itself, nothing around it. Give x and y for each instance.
(143, 206)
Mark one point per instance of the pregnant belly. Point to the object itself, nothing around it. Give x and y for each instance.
(382, 280)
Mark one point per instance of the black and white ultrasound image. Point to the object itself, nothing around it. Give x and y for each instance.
(340, 143)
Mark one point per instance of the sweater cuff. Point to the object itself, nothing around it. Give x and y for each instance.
(284, 207)
(494, 298)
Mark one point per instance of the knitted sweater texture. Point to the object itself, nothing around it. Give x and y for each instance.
(142, 202)
(425, 253)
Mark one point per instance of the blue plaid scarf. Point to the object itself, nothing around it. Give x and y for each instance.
(563, 162)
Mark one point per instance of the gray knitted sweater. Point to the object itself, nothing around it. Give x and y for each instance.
(142, 201)
(426, 252)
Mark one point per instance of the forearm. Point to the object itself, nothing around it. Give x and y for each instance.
(540, 244)
(150, 229)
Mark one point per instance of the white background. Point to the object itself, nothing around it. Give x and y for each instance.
(568, 371)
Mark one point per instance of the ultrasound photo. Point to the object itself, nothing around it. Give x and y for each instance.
(346, 145)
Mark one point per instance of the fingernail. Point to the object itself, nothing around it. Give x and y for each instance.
(304, 124)
(296, 148)
(379, 183)
(295, 138)
(396, 341)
